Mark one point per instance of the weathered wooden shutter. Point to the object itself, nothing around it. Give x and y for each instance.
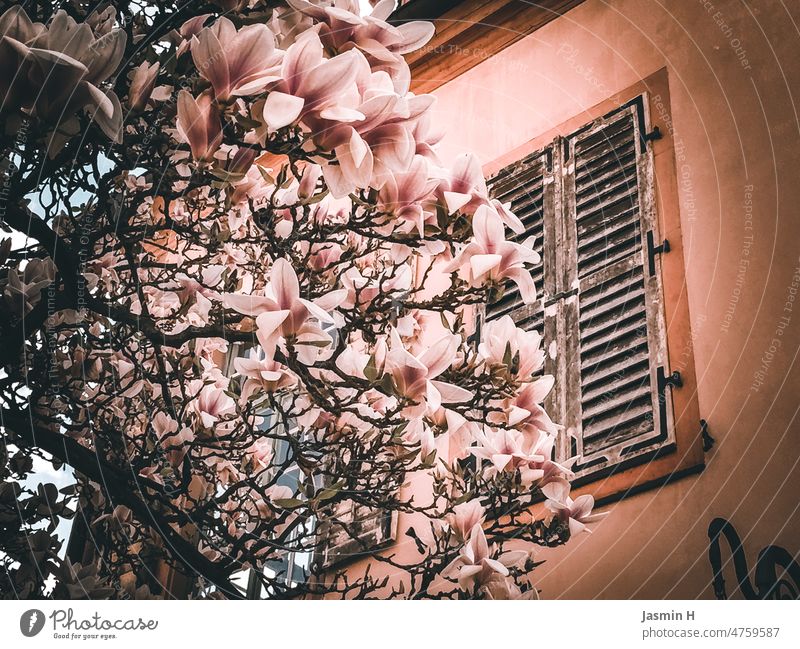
(615, 403)
(532, 187)
(529, 185)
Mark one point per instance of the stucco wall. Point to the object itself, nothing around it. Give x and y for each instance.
(734, 77)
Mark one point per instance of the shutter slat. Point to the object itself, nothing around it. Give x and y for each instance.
(613, 203)
(598, 409)
(614, 339)
(589, 229)
(597, 257)
(625, 425)
(606, 194)
(607, 130)
(621, 362)
(353, 530)
(507, 176)
(624, 280)
(526, 189)
(597, 166)
(616, 325)
(618, 177)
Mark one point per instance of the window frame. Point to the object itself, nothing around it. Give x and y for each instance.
(686, 455)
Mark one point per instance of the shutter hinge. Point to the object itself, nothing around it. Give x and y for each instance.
(655, 134)
(653, 250)
(708, 441)
(664, 381)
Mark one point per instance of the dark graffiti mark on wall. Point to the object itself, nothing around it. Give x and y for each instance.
(777, 573)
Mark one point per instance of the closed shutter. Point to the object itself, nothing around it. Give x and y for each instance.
(616, 406)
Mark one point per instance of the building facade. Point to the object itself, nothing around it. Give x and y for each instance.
(650, 147)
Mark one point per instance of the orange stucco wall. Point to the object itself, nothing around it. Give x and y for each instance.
(734, 80)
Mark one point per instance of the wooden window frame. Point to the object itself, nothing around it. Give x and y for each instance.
(686, 455)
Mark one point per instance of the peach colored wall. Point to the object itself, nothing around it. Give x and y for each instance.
(736, 116)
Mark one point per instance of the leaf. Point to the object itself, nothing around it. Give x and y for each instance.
(316, 198)
(463, 498)
(371, 370)
(288, 503)
(428, 460)
(507, 355)
(443, 318)
(386, 384)
(265, 175)
(327, 494)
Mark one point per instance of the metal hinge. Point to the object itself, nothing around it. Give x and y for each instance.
(655, 134)
(673, 379)
(708, 441)
(653, 250)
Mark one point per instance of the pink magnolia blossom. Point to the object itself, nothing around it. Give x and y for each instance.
(355, 168)
(577, 512)
(490, 258)
(198, 125)
(506, 450)
(370, 150)
(172, 440)
(227, 473)
(465, 517)
(23, 288)
(236, 63)
(502, 588)
(360, 291)
(525, 412)
(464, 190)
(476, 565)
(281, 312)
(56, 69)
(342, 27)
(263, 450)
(142, 84)
(312, 86)
(262, 375)
(518, 351)
(197, 295)
(454, 443)
(182, 38)
(213, 404)
(403, 193)
(413, 376)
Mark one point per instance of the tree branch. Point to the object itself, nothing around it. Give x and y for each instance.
(121, 488)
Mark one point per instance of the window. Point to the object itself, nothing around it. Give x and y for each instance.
(351, 530)
(292, 568)
(354, 530)
(598, 194)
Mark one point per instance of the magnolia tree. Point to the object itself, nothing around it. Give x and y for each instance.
(230, 233)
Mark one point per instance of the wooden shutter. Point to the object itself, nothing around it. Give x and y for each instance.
(529, 185)
(532, 187)
(616, 407)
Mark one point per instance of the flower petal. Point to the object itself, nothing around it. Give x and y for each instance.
(281, 109)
